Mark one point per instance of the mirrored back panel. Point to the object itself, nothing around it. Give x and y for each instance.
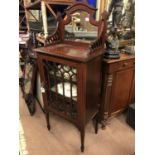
(80, 28)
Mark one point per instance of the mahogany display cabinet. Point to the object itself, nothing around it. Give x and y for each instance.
(70, 69)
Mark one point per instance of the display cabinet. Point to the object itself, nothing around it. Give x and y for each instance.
(70, 70)
(118, 84)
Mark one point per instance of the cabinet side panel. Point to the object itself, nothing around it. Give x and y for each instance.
(93, 86)
(121, 89)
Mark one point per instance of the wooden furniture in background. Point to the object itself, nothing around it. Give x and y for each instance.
(70, 72)
(28, 66)
(45, 7)
(118, 84)
(22, 16)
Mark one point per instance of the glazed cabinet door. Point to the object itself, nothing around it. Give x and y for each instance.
(59, 86)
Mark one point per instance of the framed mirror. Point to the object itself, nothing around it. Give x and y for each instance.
(80, 28)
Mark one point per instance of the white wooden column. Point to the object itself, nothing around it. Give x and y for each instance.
(98, 9)
(44, 17)
(101, 5)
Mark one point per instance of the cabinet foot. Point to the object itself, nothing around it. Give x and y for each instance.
(96, 123)
(47, 121)
(103, 125)
(82, 149)
(48, 127)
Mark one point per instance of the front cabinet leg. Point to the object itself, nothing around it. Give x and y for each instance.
(106, 99)
(47, 120)
(96, 123)
(82, 132)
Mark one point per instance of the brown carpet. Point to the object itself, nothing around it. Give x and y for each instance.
(64, 138)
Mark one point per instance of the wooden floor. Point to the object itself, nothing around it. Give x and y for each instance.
(64, 139)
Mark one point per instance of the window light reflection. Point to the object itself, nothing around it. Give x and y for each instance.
(22, 141)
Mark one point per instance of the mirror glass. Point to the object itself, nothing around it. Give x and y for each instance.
(80, 28)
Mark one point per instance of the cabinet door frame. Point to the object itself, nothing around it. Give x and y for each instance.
(81, 87)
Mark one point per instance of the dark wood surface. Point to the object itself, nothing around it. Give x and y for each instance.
(86, 59)
(122, 57)
(70, 51)
(121, 89)
(117, 85)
